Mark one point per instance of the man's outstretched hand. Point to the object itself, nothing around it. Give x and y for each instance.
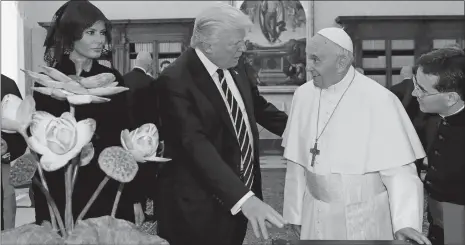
(258, 212)
(411, 234)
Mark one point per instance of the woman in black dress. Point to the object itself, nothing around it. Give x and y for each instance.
(79, 35)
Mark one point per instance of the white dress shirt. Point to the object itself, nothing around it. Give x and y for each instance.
(211, 68)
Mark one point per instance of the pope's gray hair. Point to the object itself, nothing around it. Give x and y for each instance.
(344, 53)
(216, 19)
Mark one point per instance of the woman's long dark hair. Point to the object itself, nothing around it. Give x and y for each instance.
(68, 25)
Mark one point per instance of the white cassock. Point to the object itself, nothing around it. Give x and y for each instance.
(364, 185)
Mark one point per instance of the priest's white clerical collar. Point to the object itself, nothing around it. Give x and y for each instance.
(211, 68)
(461, 109)
(342, 85)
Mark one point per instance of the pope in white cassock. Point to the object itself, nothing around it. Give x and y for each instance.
(350, 147)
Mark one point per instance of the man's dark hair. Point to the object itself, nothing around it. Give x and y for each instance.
(449, 65)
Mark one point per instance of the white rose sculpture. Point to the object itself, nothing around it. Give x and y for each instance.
(64, 142)
(60, 139)
(16, 113)
(142, 143)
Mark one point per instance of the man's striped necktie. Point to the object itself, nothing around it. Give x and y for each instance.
(245, 143)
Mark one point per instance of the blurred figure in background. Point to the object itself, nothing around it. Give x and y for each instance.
(403, 91)
(135, 80)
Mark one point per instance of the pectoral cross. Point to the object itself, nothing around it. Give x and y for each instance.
(314, 152)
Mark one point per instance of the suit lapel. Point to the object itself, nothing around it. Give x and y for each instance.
(206, 84)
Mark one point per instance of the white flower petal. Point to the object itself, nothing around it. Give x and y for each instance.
(9, 126)
(55, 93)
(153, 130)
(85, 131)
(25, 110)
(10, 105)
(113, 84)
(79, 99)
(87, 154)
(69, 117)
(74, 87)
(97, 99)
(36, 146)
(55, 74)
(40, 120)
(124, 137)
(132, 134)
(157, 159)
(52, 162)
(137, 155)
(105, 91)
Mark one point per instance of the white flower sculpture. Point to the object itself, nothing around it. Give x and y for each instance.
(76, 90)
(59, 139)
(142, 143)
(16, 113)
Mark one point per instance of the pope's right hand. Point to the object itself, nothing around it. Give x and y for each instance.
(258, 212)
(296, 229)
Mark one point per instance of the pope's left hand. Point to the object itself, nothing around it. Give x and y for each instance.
(139, 214)
(408, 233)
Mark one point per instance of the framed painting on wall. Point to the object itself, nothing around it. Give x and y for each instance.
(277, 40)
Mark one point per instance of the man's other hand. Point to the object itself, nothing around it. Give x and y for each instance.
(408, 233)
(258, 212)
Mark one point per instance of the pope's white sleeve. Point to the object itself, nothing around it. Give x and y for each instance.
(294, 190)
(405, 191)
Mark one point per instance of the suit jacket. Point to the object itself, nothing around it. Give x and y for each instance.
(445, 178)
(16, 144)
(138, 82)
(202, 142)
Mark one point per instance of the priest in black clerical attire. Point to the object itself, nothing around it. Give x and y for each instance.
(440, 89)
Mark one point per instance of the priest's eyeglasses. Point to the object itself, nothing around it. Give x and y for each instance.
(420, 91)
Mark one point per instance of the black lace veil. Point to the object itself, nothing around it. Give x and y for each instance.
(68, 25)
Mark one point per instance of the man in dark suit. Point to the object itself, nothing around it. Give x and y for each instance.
(137, 80)
(16, 146)
(403, 91)
(209, 111)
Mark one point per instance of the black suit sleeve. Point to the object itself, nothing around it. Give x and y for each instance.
(16, 144)
(181, 123)
(266, 114)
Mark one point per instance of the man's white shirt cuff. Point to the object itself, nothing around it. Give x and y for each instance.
(237, 208)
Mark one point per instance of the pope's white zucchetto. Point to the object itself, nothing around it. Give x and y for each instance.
(339, 37)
